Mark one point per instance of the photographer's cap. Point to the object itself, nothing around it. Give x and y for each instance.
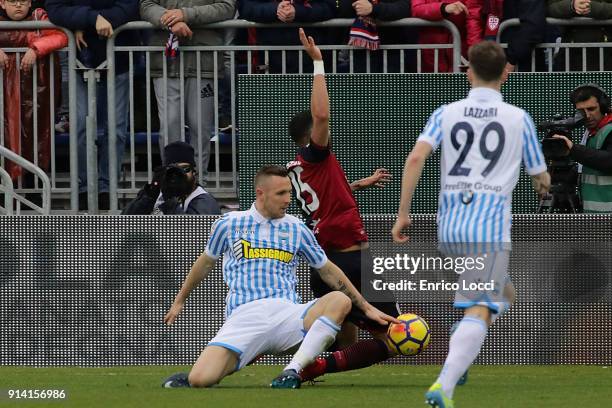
(179, 152)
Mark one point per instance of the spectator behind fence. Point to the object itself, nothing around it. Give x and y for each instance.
(485, 16)
(435, 11)
(34, 4)
(174, 189)
(483, 19)
(367, 14)
(522, 39)
(273, 11)
(596, 9)
(19, 126)
(93, 21)
(182, 22)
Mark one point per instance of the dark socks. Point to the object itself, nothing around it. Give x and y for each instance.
(361, 354)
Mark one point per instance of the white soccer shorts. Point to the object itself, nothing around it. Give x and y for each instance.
(485, 287)
(264, 326)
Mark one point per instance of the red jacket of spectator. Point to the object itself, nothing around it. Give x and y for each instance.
(18, 114)
(432, 11)
(483, 20)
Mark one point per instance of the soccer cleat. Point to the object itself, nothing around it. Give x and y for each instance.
(314, 370)
(463, 379)
(435, 397)
(178, 380)
(287, 379)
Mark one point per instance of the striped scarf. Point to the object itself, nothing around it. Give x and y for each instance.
(363, 33)
(172, 47)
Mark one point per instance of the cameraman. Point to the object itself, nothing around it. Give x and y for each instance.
(174, 189)
(594, 153)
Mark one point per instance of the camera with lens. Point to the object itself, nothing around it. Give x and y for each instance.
(563, 170)
(556, 149)
(174, 181)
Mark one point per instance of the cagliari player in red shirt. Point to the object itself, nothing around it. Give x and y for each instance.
(326, 200)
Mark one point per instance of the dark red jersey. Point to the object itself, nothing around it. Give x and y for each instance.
(325, 198)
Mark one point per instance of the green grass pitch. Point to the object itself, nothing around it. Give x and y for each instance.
(379, 386)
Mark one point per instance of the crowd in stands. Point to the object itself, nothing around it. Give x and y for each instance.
(181, 23)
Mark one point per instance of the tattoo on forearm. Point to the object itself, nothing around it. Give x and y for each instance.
(341, 286)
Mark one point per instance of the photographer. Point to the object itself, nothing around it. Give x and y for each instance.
(174, 189)
(594, 153)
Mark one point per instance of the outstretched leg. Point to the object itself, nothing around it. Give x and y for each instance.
(360, 354)
(481, 308)
(214, 363)
(464, 346)
(322, 323)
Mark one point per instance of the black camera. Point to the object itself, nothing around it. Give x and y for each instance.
(563, 170)
(556, 149)
(174, 181)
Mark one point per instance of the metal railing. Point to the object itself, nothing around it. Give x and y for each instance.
(225, 183)
(552, 49)
(9, 191)
(6, 187)
(231, 52)
(72, 190)
(214, 183)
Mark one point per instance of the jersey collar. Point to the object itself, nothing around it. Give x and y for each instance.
(486, 94)
(260, 219)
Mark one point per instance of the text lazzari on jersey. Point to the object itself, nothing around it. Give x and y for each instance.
(484, 141)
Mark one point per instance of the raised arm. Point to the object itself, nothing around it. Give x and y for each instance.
(319, 99)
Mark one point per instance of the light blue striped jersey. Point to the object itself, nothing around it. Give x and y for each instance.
(483, 143)
(261, 255)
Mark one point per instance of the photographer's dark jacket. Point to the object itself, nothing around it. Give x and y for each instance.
(595, 155)
(149, 201)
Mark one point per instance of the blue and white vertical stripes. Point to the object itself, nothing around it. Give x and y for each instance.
(533, 158)
(261, 255)
(483, 140)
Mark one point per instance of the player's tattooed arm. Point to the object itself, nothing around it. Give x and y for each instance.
(337, 280)
(358, 302)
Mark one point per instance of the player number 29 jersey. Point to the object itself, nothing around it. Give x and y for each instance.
(484, 140)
